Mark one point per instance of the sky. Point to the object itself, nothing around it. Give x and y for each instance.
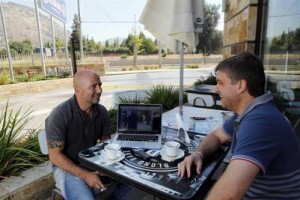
(283, 16)
(106, 19)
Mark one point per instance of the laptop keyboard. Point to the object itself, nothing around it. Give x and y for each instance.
(140, 138)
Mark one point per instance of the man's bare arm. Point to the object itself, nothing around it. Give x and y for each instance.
(235, 180)
(212, 142)
(207, 147)
(57, 157)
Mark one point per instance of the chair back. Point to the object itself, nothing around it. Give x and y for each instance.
(199, 102)
(43, 142)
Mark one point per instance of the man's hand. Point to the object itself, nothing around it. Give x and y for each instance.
(93, 180)
(187, 163)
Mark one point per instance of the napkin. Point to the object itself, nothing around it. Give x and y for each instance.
(181, 128)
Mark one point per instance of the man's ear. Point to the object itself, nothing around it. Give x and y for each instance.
(243, 86)
(77, 89)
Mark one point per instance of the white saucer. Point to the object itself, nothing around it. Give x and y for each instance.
(120, 157)
(165, 157)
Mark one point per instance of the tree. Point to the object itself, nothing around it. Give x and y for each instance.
(134, 43)
(47, 45)
(59, 43)
(296, 39)
(20, 47)
(107, 44)
(75, 35)
(116, 43)
(128, 43)
(98, 46)
(147, 46)
(137, 43)
(217, 41)
(210, 23)
(286, 41)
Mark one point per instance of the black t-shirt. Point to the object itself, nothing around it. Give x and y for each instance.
(68, 123)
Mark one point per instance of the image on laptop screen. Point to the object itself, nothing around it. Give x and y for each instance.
(139, 126)
(139, 118)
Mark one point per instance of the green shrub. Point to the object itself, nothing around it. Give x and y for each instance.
(112, 113)
(130, 99)
(19, 149)
(211, 80)
(168, 96)
(124, 56)
(165, 95)
(192, 66)
(4, 78)
(21, 78)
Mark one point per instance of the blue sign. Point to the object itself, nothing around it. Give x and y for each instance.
(56, 8)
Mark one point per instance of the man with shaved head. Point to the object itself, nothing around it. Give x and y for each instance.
(74, 125)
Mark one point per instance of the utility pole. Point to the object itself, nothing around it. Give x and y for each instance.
(6, 43)
(80, 30)
(53, 38)
(40, 36)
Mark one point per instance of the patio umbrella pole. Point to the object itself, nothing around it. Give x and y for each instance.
(181, 79)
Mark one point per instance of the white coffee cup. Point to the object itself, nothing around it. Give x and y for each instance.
(171, 148)
(112, 151)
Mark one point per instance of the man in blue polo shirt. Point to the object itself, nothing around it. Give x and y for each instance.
(265, 162)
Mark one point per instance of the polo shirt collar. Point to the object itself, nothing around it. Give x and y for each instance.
(257, 101)
(76, 106)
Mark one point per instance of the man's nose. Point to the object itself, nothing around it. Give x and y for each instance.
(217, 90)
(99, 88)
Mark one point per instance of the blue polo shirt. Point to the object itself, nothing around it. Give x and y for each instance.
(263, 136)
(69, 124)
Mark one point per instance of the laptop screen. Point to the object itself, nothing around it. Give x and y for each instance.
(140, 118)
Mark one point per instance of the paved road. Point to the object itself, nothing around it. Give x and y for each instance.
(114, 86)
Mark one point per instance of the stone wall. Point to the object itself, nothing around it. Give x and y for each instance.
(59, 70)
(34, 183)
(240, 27)
(98, 68)
(33, 87)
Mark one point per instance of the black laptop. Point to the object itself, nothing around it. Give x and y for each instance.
(139, 126)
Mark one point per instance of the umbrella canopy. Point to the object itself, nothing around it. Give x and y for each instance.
(174, 23)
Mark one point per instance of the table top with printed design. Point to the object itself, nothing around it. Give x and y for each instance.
(156, 174)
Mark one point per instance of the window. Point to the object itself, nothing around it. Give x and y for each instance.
(281, 53)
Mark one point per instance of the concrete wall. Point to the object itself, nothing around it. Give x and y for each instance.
(240, 26)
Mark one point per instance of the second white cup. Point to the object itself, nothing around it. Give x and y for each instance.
(171, 148)
(112, 151)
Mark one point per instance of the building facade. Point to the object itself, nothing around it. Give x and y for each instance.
(270, 29)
